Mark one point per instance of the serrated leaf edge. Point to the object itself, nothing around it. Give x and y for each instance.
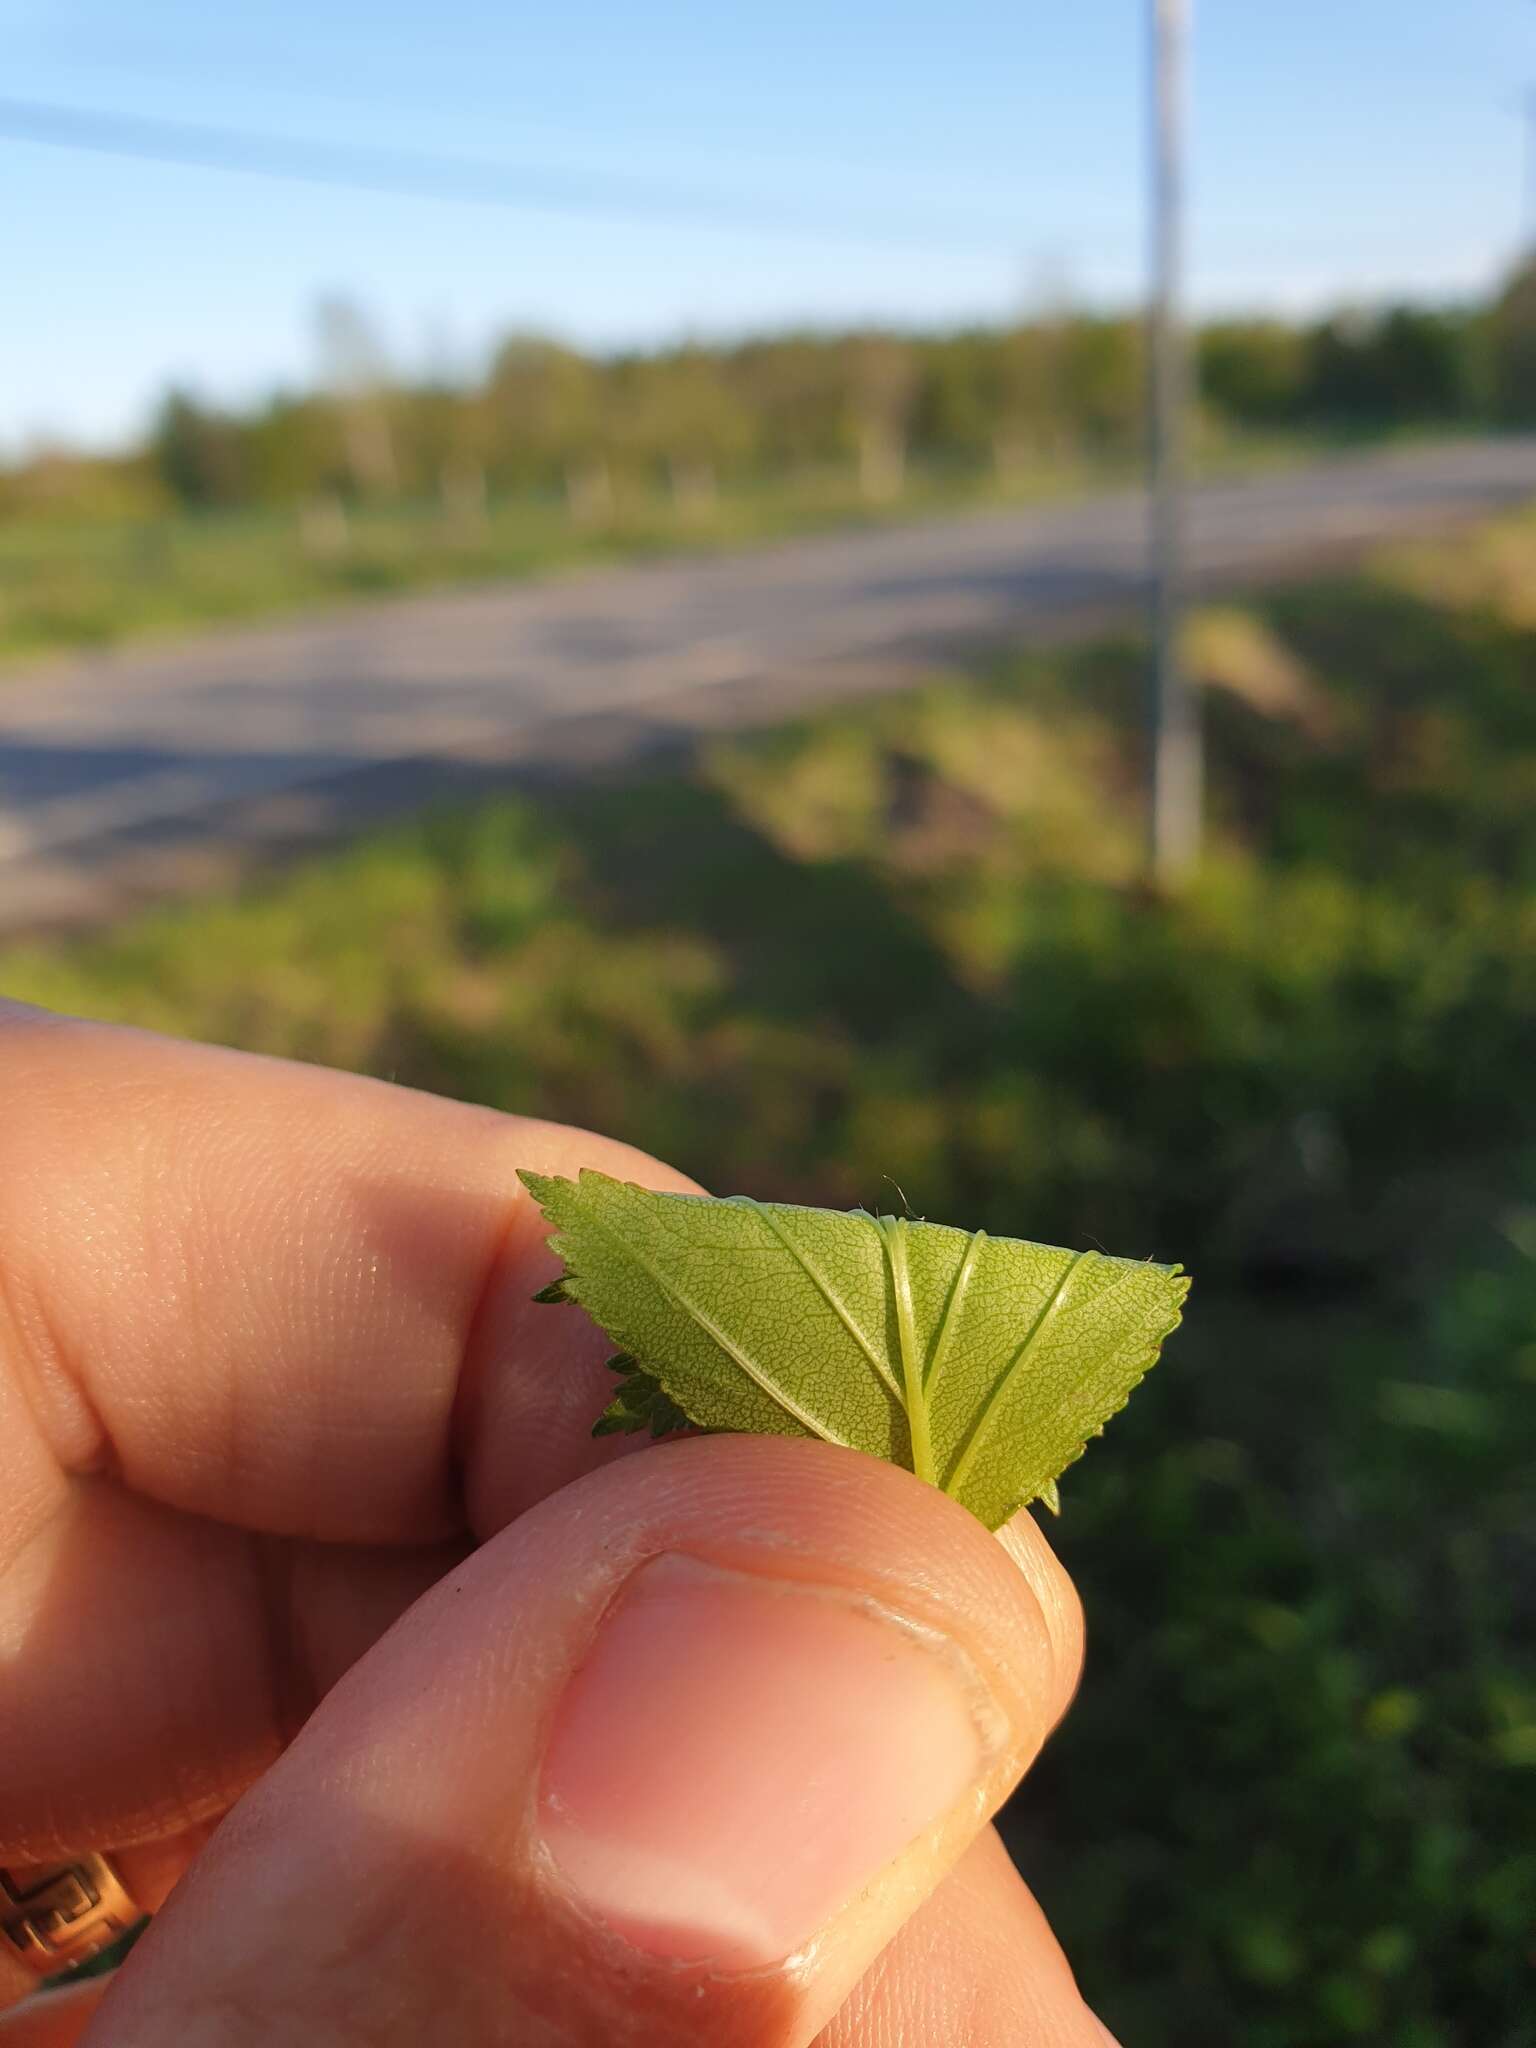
(739, 1358)
(1149, 1359)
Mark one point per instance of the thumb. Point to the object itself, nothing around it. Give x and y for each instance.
(668, 1762)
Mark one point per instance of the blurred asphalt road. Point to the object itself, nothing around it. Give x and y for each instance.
(124, 777)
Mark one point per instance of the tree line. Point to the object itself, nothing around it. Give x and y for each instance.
(545, 418)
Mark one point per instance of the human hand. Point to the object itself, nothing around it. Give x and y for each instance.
(447, 1723)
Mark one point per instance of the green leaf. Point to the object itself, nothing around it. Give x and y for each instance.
(983, 1364)
(641, 1402)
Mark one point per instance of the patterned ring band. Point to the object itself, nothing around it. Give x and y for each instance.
(57, 1915)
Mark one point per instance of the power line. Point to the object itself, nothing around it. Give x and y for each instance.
(484, 181)
(475, 181)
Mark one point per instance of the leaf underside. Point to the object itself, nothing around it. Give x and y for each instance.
(984, 1364)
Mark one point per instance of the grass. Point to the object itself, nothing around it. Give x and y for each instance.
(66, 585)
(1296, 1801)
(77, 584)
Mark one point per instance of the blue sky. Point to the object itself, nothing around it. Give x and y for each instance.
(922, 163)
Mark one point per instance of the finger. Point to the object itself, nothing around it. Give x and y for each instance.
(155, 1663)
(281, 1298)
(53, 2019)
(147, 1871)
(666, 1762)
(976, 1966)
(257, 1291)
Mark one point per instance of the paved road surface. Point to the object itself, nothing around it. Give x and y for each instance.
(131, 775)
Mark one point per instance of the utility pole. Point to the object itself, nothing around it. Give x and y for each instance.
(1174, 744)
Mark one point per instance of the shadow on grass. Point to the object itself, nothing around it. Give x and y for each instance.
(805, 941)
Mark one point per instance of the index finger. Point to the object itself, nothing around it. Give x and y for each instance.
(267, 1293)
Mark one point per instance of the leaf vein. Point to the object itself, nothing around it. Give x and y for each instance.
(828, 1292)
(978, 1430)
(713, 1331)
(952, 1307)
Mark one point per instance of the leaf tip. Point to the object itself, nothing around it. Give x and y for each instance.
(544, 1187)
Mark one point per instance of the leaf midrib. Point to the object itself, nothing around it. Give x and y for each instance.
(827, 1291)
(893, 1236)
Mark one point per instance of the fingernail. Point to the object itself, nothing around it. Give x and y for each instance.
(737, 1758)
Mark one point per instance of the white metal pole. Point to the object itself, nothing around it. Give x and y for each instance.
(1177, 775)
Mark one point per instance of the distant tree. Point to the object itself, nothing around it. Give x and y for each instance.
(1341, 381)
(793, 387)
(197, 453)
(681, 414)
(1423, 363)
(1406, 364)
(546, 417)
(1254, 371)
(549, 421)
(1103, 380)
(1511, 348)
(74, 489)
(296, 449)
(1030, 408)
(355, 371)
(954, 407)
(880, 377)
(441, 442)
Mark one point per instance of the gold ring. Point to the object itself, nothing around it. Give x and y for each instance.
(53, 1916)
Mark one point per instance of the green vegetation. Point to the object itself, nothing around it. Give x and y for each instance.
(1296, 1801)
(72, 583)
(372, 483)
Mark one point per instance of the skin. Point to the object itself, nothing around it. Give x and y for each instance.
(303, 1534)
